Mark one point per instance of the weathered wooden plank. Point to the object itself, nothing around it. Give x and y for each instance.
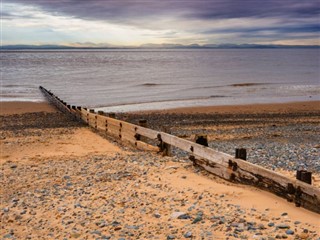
(101, 124)
(113, 121)
(114, 130)
(144, 146)
(92, 119)
(146, 132)
(227, 167)
(128, 137)
(218, 163)
(84, 115)
(214, 168)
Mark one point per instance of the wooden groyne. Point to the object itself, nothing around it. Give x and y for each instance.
(221, 164)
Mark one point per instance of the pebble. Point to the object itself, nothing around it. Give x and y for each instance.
(177, 214)
(304, 235)
(184, 216)
(75, 235)
(114, 189)
(96, 232)
(8, 236)
(197, 219)
(290, 232)
(188, 235)
(283, 226)
(271, 224)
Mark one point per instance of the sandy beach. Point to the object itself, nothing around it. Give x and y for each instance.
(60, 180)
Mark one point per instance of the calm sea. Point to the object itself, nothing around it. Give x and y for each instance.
(124, 80)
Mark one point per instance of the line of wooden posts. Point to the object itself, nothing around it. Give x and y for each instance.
(235, 169)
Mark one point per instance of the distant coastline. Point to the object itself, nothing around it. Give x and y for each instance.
(158, 46)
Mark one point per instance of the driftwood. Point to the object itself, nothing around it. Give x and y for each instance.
(221, 164)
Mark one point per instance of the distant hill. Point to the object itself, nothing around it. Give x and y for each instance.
(158, 46)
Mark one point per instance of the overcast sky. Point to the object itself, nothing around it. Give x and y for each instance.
(136, 22)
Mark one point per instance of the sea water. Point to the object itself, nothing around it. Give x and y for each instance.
(129, 80)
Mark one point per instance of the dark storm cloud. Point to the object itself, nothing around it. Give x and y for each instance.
(124, 10)
(256, 9)
(304, 28)
(207, 20)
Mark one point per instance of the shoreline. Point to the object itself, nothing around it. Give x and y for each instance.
(246, 108)
(18, 107)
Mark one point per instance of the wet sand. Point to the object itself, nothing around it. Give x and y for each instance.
(60, 180)
(292, 107)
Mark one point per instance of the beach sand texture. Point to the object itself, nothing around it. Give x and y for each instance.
(60, 180)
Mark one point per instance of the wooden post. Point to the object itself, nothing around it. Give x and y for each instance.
(304, 176)
(143, 123)
(199, 139)
(101, 113)
(202, 140)
(91, 110)
(241, 153)
(112, 115)
(165, 148)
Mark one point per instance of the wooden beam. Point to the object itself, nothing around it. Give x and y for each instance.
(218, 163)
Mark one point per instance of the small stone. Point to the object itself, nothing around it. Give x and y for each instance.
(115, 223)
(96, 232)
(290, 232)
(132, 227)
(270, 224)
(284, 214)
(177, 214)
(13, 166)
(304, 235)
(8, 236)
(197, 219)
(23, 212)
(297, 222)
(77, 205)
(105, 237)
(102, 224)
(170, 237)
(184, 216)
(75, 235)
(283, 226)
(69, 184)
(157, 215)
(69, 222)
(6, 209)
(188, 235)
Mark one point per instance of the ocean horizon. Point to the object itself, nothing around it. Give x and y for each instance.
(132, 80)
